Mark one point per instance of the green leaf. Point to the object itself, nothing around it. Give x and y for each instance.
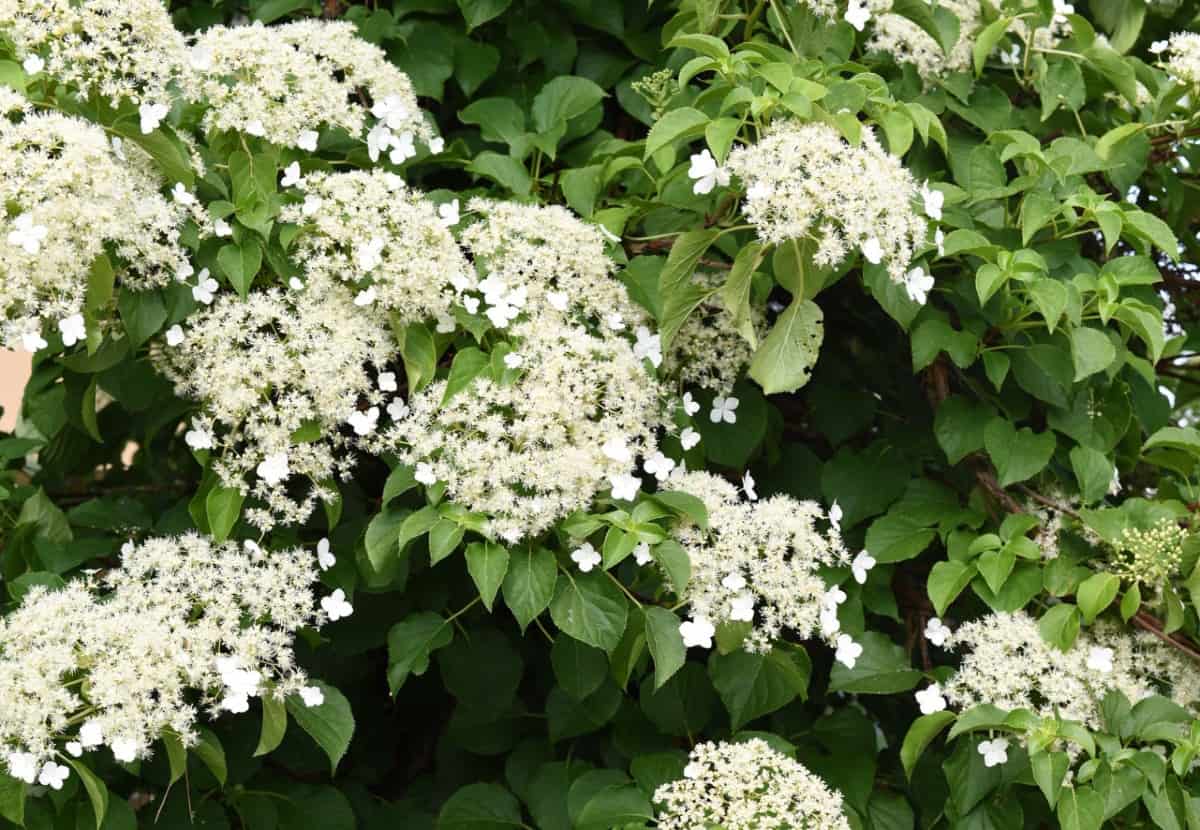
(529, 584)
(1096, 593)
(1049, 769)
(1093, 471)
(665, 643)
(943, 28)
(579, 668)
(96, 790)
(1185, 439)
(995, 566)
(1060, 626)
(444, 538)
(752, 685)
(504, 170)
(167, 150)
(615, 806)
(958, 426)
(897, 537)
(143, 314)
(1091, 351)
(735, 293)
(674, 561)
(382, 538)
(487, 562)
(240, 263)
(922, 732)
(411, 642)
(947, 580)
(1018, 455)
(12, 799)
(478, 12)
(675, 125)
(274, 724)
(882, 669)
(420, 356)
(1050, 298)
(590, 608)
(1080, 808)
(480, 807)
(176, 756)
(223, 506)
(784, 360)
(331, 724)
(562, 99)
(210, 752)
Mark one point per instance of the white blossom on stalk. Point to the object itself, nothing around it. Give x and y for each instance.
(747, 785)
(205, 288)
(33, 65)
(274, 468)
(26, 235)
(933, 201)
(724, 409)
(291, 176)
(706, 173)
(586, 557)
(861, 565)
(659, 466)
(930, 699)
(748, 486)
(688, 438)
(690, 405)
(697, 632)
(857, 14)
(325, 557)
(73, 330)
(936, 631)
(152, 116)
(336, 606)
(848, 651)
(994, 752)
(312, 696)
(918, 285)
(448, 213)
(625, 487)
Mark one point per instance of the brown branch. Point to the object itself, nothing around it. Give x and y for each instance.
(660, 245)
(1048, 502)
(1149, 623)
(1170, 137)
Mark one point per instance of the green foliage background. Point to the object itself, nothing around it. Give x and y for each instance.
(1034, 371)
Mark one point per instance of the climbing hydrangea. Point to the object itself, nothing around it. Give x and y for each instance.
(758, 562)
(278, 377)
(284, 82)
(70, 200)
(803, 181)
(123, 49)
(119, 660)
(747, 785)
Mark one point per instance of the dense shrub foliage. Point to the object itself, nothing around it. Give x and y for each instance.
(585, 414)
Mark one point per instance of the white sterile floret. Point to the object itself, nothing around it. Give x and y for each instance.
(918, 284)
(530, 450)
(1007, 663)
(624, 487)
(847, 651)
(908, 43)
(930, 699)
(806, 181)
(586, 557)
(70, 200)
(697, 632)
(724, 409)
(298, 76)
(748, 487)
(270, 365)
(747, 785)
(862, 563)
(706, 173)
(994, 752)
(392, 244)
(937, 632)
(325, 557)
(553, 260)
(312, 696)
(122, 49)
(182, 625)
(771, 548)
(688, 438)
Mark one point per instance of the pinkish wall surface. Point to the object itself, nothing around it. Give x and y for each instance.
(14, 371)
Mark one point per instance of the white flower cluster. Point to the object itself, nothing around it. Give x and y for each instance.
(277, 375)
(806, 181)
(747, 786)
(708, 352)
(1007, 663)
(551, 264)
(182, 624)
(530, 449)
(367, 229)
(1183, 57)
(908, 43)
(70, 198)
(124, 49)
(758, 563)
(565, 411)
(283, 83)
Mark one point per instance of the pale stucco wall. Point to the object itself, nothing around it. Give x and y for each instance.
(14, 371)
